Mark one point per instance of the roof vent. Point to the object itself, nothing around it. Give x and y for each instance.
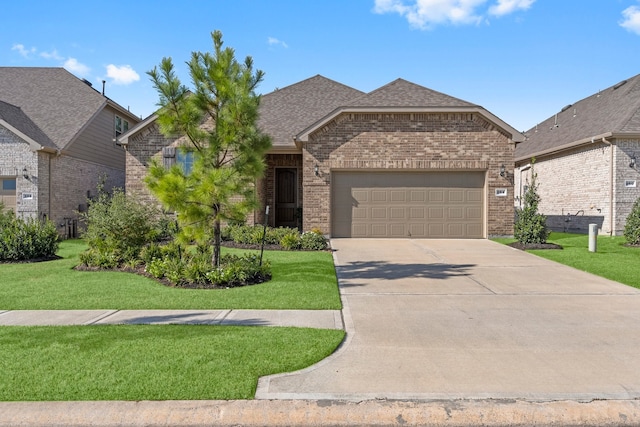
(87, 82)
(619, 85)
(566, 107)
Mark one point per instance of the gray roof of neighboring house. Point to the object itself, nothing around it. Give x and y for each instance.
(285, 112)
(615, 110)
(59, 103)
(401, 93)
(15, 117)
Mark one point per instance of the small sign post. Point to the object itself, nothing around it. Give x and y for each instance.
(264, 232)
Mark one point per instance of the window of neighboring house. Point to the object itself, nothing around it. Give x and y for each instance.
(8, 184)
(185, 160)
(121, 125)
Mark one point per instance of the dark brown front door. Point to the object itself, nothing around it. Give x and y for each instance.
(286, 197)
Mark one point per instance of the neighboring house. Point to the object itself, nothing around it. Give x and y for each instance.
(401, 161)
(57, 142)
(586, 161)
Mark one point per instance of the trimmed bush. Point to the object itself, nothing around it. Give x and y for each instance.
(288, 238)
(23, 240)
(291, 241)
(313, 241)
(632, 226)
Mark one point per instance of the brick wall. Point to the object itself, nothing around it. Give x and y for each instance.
(575, 187)
(15, 155)
(429, 142)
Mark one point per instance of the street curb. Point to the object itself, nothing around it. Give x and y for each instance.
(321, 413)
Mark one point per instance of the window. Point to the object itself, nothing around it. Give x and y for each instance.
(8, 184)
(121, 125)
(184, 159)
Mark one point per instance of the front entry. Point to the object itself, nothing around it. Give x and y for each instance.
(286, 198)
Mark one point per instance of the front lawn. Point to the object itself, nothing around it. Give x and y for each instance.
(175, 362)
(301, 280)
(612, 259)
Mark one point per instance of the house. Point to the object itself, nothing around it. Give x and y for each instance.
(57, 143)
(586, 161)
(401, 161)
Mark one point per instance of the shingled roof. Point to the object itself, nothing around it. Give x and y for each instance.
(56, 101)
(401, 93)
(284, 112)
(15, 118)
(612, 112)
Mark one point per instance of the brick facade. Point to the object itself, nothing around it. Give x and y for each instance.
(427, 142)
(576, 187)
(58, 185)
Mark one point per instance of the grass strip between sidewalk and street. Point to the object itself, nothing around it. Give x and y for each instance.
(612, 259)
(301, 280)
(174, 362)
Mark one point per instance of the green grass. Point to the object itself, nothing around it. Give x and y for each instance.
(151, 362)
(301, 280)
(612, 259)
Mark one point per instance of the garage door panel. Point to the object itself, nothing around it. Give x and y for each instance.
(408, 204)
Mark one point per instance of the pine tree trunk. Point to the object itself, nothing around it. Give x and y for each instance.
(216, 244)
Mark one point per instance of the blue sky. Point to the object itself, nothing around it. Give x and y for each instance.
(523, 60)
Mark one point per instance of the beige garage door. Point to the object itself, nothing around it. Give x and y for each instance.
(407, 204)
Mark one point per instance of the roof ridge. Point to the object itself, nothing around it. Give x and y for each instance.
(317, 76)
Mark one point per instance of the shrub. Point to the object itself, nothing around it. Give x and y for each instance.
(29, 239)
(118, 228)
(313, 241)
(195, 270)
(632, 226)
(531, 226)
(291, 240)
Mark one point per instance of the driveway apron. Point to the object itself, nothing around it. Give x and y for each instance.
(471, 319)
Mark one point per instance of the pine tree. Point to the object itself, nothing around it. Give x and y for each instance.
(531, 226)
(218, 118)
(632, 225)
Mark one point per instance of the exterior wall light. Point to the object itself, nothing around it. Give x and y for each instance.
(25, 173)
(503, 171)
(633, 161)
(315, 170)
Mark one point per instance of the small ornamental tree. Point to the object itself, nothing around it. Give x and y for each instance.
(632, 226)
(218, 119)
(531, 226)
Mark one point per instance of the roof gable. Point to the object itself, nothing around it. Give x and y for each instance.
(55, 100)
(401, 93)
(285, 112)
(20, 123)
(611, 111)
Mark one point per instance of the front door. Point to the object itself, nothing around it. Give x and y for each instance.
(286, 197)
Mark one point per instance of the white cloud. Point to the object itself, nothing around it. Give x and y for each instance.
(505, 7)
(274, 41)
(426, 14)
(52, 55)
(122, 75)
(631, 19)
(72, 65)
(23, 50)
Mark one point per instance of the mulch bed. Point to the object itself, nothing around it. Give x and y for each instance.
(526, 246)
(28, 261)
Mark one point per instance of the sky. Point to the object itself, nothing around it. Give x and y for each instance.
(523, 60)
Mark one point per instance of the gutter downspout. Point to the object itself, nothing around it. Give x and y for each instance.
(611, 232)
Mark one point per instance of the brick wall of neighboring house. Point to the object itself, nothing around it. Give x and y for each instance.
(625, 194)
(72, 180)
(573, 187)
(428, 142)
(15, 155)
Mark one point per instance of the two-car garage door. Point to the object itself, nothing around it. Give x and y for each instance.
(407, 204)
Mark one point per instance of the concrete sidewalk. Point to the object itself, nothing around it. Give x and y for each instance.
(322, 319)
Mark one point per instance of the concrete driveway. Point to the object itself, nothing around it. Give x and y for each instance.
(471, 319)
